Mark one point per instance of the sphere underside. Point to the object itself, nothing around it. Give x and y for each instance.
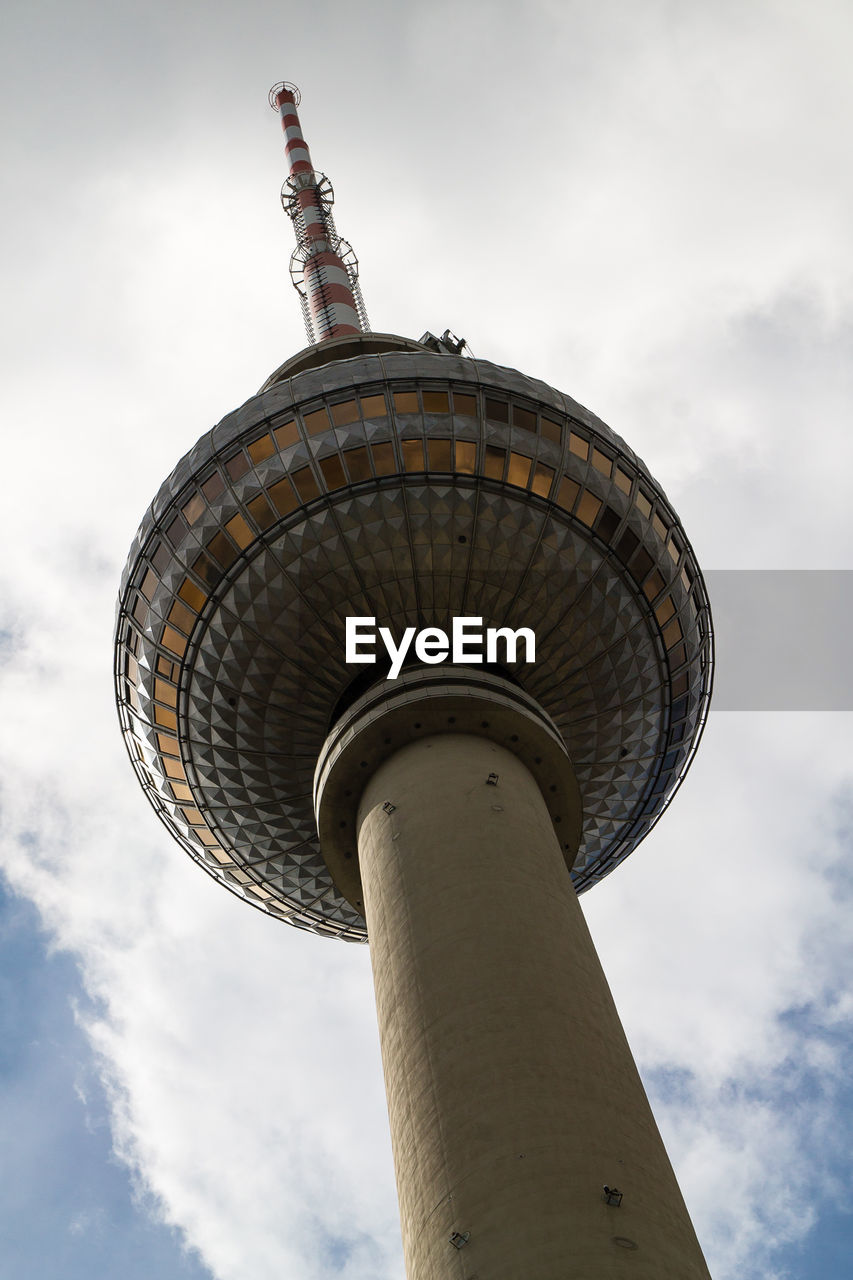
(411, 487)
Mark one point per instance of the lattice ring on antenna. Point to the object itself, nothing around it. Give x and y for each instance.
(276, 90)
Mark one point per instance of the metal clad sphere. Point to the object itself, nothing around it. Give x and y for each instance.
(412, 487)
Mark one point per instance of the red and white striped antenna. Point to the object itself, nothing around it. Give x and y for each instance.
(323, 267)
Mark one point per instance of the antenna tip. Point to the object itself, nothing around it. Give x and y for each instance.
(283, 86)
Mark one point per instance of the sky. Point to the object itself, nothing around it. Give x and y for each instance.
(649, 207)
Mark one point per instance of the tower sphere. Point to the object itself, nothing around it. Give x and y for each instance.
(374, 477)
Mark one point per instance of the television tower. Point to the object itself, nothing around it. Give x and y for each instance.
(451, 806)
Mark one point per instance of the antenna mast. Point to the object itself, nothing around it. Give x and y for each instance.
(323, 266)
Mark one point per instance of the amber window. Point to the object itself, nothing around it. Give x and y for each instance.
(523, 418)
(435, 402)
(344, 413)
(677, 655)
(497, 410)
(542, 480)
(518, 472)
(193, 509)
(465, 406)
(286, 434)
(176, 531)
(588, 508)
(165, 692)
(261, 448)
(194, 597)
(204, 567)
(601, 462)
(282, 497)
(182, 617)
(413, 455)
(665, 610)
(623, 480)
(406, 402)
(672, 633)
(213, 486)
(567, 493)
(653, 584)
(608, 523)
(439, 455)
(373, 407)
(384, 462)
(358, 464)
(163, 716)
(167, 668)
(551, 430)
(627, 545)
(305, 484)
(333, 472)
(261, 512)
(222, 549)
(239, 529)
(149, 585)
(208, 838)
(316, 421)
(641, 564)
(174, 641)
(237, 466)
(161, 558)
(643, 503)
(494, 463)
(466, 457)
(578, 446)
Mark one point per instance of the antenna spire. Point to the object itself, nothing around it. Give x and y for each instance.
(323, 266)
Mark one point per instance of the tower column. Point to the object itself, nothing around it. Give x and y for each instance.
(512, 1093)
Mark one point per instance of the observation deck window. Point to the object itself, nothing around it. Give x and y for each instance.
(436, 402)
(286, 434)
(261, 448)
(518, 472)
(384, 462)
(466, 457)
(358, 464)
(406, 402)
(344, 412)
(373, 407)
(316, 421)
(578, 446)
(464, 406)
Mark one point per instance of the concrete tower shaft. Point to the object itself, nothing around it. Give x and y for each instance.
(513, 1097)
